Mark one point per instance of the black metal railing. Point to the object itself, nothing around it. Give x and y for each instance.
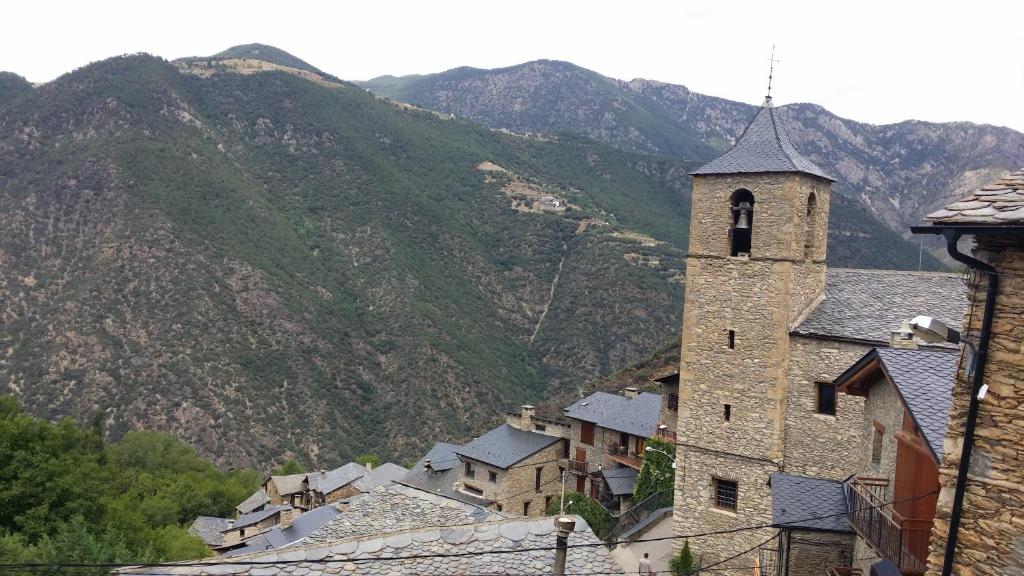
(902, 540)
(578, 467)
(637, 514)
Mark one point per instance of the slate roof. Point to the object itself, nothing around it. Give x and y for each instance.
(998, 203)
(637, 416)
(764, 147)
(505, 445)
(396, 507)
(924, 379)
(441, 482)
(866, 305)
(381, 475)
(620, 480)
(209, 528)
(277, 537)
(481, 549)
(332, 480)
(254, 517)
(795, 499)
(258, 498)
(290, 484)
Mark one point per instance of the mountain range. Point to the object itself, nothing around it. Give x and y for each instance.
(899, 172)
(270, 262)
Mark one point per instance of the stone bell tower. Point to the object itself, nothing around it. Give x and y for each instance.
(756, 264)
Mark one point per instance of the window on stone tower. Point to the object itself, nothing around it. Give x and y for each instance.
(726, 493)
(826, 398)
(809, 226)
(732, 339)
(740, 231)
(728, 412)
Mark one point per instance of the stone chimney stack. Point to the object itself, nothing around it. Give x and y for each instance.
(630, 392)
(902, 337)
(526, 412)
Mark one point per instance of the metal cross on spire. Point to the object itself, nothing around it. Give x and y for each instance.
(771, 70)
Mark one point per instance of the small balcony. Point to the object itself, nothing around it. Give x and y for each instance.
(902, 540)
(620, 454)
(577, 467)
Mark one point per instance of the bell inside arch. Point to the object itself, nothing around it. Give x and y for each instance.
(743, 216)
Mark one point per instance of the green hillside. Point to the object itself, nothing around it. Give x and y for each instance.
(269, 267)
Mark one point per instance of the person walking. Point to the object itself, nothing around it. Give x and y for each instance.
(646, 568)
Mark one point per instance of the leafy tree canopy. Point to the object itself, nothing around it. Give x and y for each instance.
(289, 467)
(67, 496)
(656, 474)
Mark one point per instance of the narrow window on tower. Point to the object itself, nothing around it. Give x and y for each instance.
(742, 225)
(728, 412)
(810, 227)
(732, 339)
(827, 398)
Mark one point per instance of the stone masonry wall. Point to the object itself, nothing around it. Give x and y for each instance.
(991, 537)
(515, 486)
(757, 298)
(811, 553)
(883, 405)
(812, 438)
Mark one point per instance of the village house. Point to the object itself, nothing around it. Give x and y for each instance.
(766, 330)
(517, 470)
(815, 535)
(907, 395)
(609, 432)
(256, 523)
(979, 527)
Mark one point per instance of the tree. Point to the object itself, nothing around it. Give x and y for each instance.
(371, 459)
(289, 467)
(656, 473)
(682, 565)
(585, 507)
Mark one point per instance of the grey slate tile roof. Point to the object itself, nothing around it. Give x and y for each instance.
(397, 507)
(505, 445)
(924, 379)
(620, 480)
(764, 147)
(637, 416)
(442, 481)
(866, 305)
(210, 529)
(254, 517)
(999, 203)
(381, 475)
(258, 498)
(332, 480)
(290, 484)
(797, 498)
(481, 549)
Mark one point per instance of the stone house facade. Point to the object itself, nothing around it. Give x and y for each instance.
(990, 536)
(516, 471)
(251, 525)
(892, 497)
(766, 329)
(608, 431)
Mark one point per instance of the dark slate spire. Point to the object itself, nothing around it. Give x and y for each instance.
(763, 147)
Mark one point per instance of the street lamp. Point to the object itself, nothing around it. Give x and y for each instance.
(935, 331)
(671, 456)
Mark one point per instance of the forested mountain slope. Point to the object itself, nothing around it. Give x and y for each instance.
(268, 266)
(900, 171)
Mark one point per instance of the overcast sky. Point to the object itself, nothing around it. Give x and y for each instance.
(871, 61)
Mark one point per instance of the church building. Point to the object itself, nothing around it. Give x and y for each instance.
(767, 327)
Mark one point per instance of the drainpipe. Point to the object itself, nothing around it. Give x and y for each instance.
(952, 237)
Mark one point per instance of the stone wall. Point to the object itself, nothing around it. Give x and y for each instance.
(695, 512)
(515, 485)
(811, 438)
(991, 538)
(883, 405)
(812, 552)
(603, 439)
(756, 299)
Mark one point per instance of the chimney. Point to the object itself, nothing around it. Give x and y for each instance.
(903, 337)
(630, 392)
(526, 412)
(369, 465)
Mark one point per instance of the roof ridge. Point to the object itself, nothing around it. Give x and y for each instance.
(775, 129)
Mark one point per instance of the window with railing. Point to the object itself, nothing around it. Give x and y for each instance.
(726, 493)
(673, 402)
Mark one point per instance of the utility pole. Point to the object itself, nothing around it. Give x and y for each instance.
(561, 505)
(564, 525)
